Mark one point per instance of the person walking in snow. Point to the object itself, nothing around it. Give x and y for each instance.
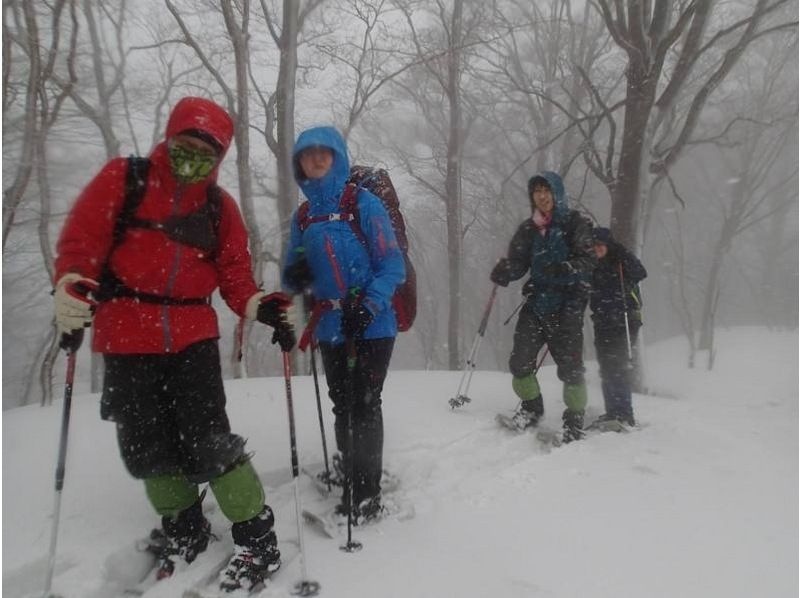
(555, 245)
(351, 259)
(142, 250)
(614, 298)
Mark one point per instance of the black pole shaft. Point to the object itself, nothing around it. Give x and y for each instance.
(61, 467)
(319, 412)
(350, 344)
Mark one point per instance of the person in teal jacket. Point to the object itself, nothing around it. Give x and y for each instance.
(352, 269)
(555, 246)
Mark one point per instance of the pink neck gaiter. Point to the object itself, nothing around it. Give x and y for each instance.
(542, 221)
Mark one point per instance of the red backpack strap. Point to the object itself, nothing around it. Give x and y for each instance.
(302, 216)
(348, 209)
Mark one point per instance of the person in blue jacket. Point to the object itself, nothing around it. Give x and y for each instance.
(352, 268)
(615, 298)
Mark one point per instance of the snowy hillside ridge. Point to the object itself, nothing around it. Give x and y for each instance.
(700, 502)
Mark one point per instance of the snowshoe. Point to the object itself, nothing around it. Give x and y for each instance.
(526, 416)
(613, 423)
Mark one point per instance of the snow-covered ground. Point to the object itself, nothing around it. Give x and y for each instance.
(702, 501)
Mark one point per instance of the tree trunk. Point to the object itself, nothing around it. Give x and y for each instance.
(453, 186)
(287, 72)
(626, 192)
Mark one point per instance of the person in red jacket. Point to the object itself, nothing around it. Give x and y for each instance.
(142, 250)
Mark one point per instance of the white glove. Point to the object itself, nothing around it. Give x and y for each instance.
(73, 307)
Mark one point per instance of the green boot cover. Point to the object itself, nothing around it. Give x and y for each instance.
(575, 397)
(239, 493)
(526, 387)
(170, 494)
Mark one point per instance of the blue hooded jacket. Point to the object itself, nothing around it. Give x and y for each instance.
(337, 258)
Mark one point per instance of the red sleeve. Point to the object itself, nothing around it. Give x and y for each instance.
(236, 283)
(89, 229)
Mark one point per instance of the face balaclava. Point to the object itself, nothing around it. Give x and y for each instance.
(189, 165)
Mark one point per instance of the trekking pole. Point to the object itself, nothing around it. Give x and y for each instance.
(304, 587)
(514, 313)
(307, 300)
(70, 342)
(351, 545)
(319, 413)
(469, 366)
(625, 311)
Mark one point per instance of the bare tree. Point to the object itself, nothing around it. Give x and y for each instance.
(650, 33)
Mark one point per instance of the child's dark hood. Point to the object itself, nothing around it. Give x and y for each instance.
(556, 184)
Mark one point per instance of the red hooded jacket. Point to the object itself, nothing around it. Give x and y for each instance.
(150, 262)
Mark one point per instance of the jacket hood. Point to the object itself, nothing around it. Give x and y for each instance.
(203, 115)
(323, 194)
(556, 184)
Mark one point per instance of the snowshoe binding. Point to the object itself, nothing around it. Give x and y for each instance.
(255, 557)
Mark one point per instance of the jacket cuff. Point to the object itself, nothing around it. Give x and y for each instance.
(251, 310)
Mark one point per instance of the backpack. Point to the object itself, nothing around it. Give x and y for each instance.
(377, 182)
(197, 225)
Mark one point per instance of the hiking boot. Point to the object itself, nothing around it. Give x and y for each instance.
(528, 413)
(255, 554)
(573, 426)
(182, 538)
(369, 510)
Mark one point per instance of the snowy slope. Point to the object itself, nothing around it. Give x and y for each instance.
(701, 502)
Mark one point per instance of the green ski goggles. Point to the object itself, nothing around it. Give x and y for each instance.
(190, 166)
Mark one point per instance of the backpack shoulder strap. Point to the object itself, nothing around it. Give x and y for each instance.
(214, 199)
(302, 216)
(348, 209)
(135, 189)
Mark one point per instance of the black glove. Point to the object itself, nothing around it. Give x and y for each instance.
(298, 274)
(284, 337)
(501, 273)
(71, 341)
(557, 269)
(356, 318)
(272, 311)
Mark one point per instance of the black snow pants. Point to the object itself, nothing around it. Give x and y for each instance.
(365, 403)
(170, 413)
(563, 333)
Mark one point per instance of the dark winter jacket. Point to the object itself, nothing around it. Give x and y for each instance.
(337, 258)
(150, 261)
(606, 302)
(567, 246)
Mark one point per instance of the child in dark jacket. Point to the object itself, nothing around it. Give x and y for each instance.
(616, 313)
(555, 246)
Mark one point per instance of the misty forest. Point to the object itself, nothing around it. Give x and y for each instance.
(672, 122)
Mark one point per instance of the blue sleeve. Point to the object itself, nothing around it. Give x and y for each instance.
(294, 251)
(386, 258)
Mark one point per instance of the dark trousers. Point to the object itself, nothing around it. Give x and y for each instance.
(170, 413)
(563, 333)
(359, 393)
(616, 369)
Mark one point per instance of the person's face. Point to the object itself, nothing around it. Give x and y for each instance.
(316, 162)
(542, 198)
(600, 249)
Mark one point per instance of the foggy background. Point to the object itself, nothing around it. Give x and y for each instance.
(674, 122)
